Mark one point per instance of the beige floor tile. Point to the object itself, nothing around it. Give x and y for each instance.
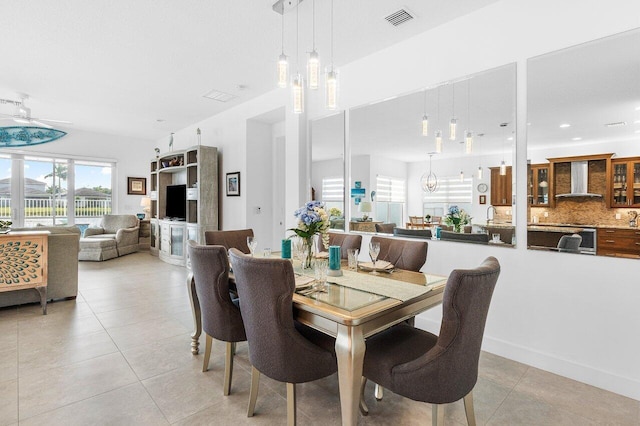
(166, 355)
(8, 364)
(77, 308)
(63, 351)
(146, 332)
(129, 405)
(8, 334)
(578, 398)
(501, 370)
(8, 402)
(184, 392)
(51, 327)
(40, 393)
(523, 410)
(130, 315)
(487, 397)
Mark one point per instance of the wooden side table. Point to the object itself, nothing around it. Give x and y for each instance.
(23, 263)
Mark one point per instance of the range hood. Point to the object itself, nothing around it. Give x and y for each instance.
(579, 181)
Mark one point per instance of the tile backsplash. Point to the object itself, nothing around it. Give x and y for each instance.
(581, 212)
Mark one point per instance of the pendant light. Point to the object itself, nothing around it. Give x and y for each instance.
(468, 138)
(429, 181)
(297, 84)
(480, 173)
(438, 132)
(331, 77)
(313, 63)
(283, 63)
(503, 166)
(453, 123)
(425, 117)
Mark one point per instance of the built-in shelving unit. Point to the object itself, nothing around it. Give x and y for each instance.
(197, 168)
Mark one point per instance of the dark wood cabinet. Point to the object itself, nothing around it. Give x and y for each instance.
(501, 187)
(538, 185)
(619, 242)
(624, 182)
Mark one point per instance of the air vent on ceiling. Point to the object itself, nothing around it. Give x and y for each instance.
(399, 17)
(219, 96)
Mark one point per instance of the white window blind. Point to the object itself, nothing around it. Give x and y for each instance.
(332, 189)
(390, 189)
(451, 190)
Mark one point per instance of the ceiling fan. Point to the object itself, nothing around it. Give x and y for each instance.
(22, 113)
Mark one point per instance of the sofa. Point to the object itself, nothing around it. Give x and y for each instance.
(123, 228)
(62, 260)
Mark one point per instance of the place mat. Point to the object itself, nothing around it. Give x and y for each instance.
(303, 281)
(380, 265)
(380, 285)
(322, 255)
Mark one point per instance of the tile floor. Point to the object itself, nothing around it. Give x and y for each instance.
(120, 355)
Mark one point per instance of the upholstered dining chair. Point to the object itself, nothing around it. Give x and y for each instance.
(385, 228)
(345, 241)
(279, 347)
(407, 255)
(229, 239)
(465, 237)
(570, 243)
(437, 369)
(221, 318)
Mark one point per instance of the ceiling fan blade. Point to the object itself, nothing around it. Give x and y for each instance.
(54, 121)
(40, 123)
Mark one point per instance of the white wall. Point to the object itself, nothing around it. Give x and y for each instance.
(258, 183)
(131, 155)
(573, 315)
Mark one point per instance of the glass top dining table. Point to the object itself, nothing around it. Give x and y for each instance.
(353, 307)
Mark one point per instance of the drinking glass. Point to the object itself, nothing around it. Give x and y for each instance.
(496, 238)
(266, 252)
(352, 257)
(320, 271)
(252, 242)
(374, 251)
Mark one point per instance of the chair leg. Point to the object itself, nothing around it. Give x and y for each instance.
(253, 392)
(228, 367)
(468, 409)
(437, 414)
(364, 410)
(377, 392)
(291, 404)
(207, 352)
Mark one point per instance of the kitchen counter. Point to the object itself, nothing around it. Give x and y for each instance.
(560, 229)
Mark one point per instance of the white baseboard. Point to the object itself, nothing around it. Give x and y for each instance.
(549, 362)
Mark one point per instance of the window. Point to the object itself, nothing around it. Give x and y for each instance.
(451, 191)
(54, 191)
(333, 193)
(390, 199)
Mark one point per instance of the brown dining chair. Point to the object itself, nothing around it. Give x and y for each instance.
(229, 239)
(345, 241)
(279, 347)
(407, 255)
(437, 369)
(221, 319)
(385, 228)
(570, 243)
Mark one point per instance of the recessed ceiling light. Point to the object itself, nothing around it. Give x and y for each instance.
(636, 122)
(160, 120)
(616, 124)
(576, 139)
(565, 125)
(638, 108)
(510, 138)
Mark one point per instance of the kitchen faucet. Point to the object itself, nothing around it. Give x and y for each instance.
(489, 221)
(633, 218)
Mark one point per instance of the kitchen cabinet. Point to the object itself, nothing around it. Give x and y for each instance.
(624, 182)
(538, 185)
(619, 242)
(501, 192)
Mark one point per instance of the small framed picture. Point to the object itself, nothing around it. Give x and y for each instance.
(483, 199)
(233, 184)
(136, 186)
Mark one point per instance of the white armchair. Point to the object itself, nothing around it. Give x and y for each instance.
(122, 228)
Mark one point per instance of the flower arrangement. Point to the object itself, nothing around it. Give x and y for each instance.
(457, 218)
(312, 220)
(335, 212)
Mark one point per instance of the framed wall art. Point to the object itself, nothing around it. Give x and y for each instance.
(233, 184)
(136, 186)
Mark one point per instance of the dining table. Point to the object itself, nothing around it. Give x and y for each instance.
(351, 307)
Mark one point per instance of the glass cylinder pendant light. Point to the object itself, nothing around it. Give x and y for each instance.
(503, 168)
(331, 77)
(461, 176)
(425, 117)
(480, 173)
(313, 64)
(468, 142)
(468, 136)
(298, 94)
(283, 63)
(438, 141)
(453, 123)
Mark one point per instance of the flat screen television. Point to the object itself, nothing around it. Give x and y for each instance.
(177, 202)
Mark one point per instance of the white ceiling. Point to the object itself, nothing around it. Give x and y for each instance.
(117, 67)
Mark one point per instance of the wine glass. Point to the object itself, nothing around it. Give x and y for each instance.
(374, 250)
(252, 242)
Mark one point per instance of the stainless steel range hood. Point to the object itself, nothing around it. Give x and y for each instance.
(579, 181)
